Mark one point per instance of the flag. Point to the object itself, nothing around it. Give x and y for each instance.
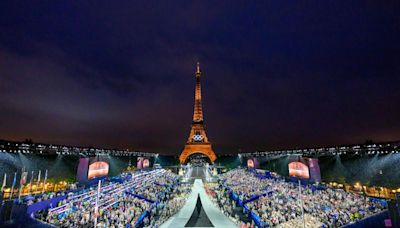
(15, 180)
(13, 184)
(30, 182)
(4, 182)
(24, 176)
(38, 180)
(44, 182)
(22, 182)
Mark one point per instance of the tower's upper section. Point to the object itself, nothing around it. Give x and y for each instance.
(198, 108)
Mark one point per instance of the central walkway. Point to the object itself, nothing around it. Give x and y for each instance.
(217, 218)
(198, 172)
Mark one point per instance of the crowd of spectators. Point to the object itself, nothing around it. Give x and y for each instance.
(170, 203)
(155, 194)
(280, 204)
(158, 195)
(221, 198)
(244, 184)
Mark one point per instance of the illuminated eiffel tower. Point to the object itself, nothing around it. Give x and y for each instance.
(197, 141)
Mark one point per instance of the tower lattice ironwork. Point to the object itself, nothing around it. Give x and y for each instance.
(197, 142)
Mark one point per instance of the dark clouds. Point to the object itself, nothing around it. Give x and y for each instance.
(276, 75)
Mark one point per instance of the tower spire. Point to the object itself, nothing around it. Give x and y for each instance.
(198, 108)
(198, 68)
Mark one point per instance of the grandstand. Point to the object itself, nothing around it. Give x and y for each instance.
(230, 193)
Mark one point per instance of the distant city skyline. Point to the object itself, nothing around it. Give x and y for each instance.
(275, 75)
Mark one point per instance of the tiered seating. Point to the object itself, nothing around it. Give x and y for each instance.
(119, 204)
(276, 202)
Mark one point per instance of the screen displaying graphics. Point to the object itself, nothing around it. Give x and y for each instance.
(98, 169)
(146, 163)
(143, 162)
(252, 163)
(299, 169)
(140, 162)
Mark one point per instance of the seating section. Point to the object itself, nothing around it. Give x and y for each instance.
(276, 202)
(142, 199)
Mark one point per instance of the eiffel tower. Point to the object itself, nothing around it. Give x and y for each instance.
(198, 140)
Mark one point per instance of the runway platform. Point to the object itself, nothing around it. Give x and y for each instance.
(194, 215)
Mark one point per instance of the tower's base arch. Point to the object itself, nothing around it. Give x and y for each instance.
(191, 149)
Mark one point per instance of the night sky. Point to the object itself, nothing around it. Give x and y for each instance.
(276, 74)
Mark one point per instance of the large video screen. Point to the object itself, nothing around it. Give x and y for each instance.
(140, 162)
(143, 163)
(252, 163)
(98, 169)
(146, 163)
(299, 169)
